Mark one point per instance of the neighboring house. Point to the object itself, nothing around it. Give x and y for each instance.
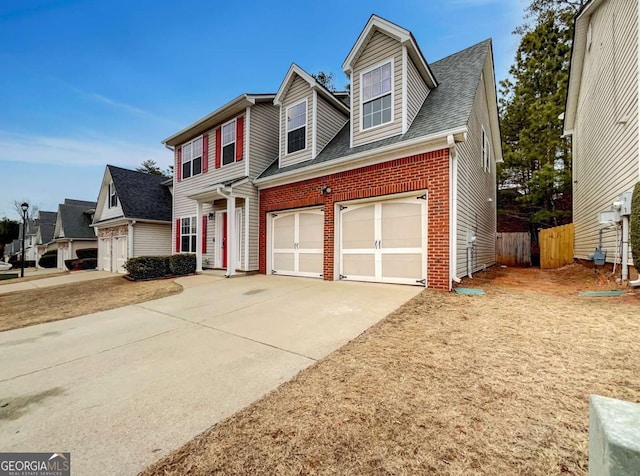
(215, 204)
(405, 192)
(389, 186)
(133, 217)
(601, 116)
(46, 224)
(73, 230)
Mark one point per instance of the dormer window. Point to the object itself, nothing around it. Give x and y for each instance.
(229, 143)
(297, 127)
(113, 197)
(376, 96)
(192, 158)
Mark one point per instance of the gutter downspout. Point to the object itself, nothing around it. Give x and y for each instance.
(130, 239)
(625, 248)
(453, 214)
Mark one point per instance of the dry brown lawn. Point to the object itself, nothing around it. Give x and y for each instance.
(448, 384)
(35, 306)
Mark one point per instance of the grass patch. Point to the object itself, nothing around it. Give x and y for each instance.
(35, 306)
(448, 384)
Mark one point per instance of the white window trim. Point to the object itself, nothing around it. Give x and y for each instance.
(111, 193)
(182, 161)
(287, 130)
(485, 148)
(192, 218)
(222, 144)
(393, 94)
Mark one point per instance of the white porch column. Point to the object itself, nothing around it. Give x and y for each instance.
(231, 235)
(199, 238)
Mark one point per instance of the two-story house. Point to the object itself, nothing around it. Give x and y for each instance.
(394, 182)
(399, 188)
(132, 218)
(215, 203)
(601, 116)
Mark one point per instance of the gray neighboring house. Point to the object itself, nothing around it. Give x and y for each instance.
(601, 116)
(46, 225)
(73, 230)
(133, 217)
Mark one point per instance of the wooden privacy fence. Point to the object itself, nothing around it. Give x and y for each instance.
(556, 246)
(514, 249)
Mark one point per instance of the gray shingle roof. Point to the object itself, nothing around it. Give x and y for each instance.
(142, 196)
(447, 107)
(75, 219)
(46, 232)
(47, 217)
(82, 203)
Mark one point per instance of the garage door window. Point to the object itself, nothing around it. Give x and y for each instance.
(188, 234)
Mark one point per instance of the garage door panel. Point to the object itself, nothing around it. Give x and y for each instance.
(403, 266)
(311, 231)
(284, 232)
(283, 261)
(310, 263)
(401, 225)
(359, 265)
(358, 230)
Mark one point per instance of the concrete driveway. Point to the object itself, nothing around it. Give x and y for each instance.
(120, 389)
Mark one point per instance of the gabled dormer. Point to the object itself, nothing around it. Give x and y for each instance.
(390, 79)
(108, 205)
(310, 116)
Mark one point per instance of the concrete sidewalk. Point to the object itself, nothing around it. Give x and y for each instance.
(71, 277)
(120, 389)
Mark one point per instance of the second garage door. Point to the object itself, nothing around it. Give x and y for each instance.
(384, 241)
(297, 241)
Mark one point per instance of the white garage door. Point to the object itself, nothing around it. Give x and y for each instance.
(297, 239)
(384, 241)
(119, 254)
(104, 252)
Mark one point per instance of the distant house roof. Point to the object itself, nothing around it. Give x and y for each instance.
(47, 217)
(142, 196)
(447, 107)
(75, 219)
(46, 232)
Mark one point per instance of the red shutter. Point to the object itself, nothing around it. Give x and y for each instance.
(204, 233)
(205, 153)
(239, 138)
(178, 235)
(218, 148)
(179, 164)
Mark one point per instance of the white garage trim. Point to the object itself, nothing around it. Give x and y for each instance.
(383, 240)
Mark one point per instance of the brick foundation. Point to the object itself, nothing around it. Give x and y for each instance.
(418, 172)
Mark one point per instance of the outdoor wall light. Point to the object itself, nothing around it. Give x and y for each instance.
(211, 215)
(326, 190)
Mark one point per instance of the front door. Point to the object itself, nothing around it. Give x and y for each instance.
(221, 239)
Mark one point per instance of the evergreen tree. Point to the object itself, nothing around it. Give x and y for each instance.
(151, 167)
(537, 159)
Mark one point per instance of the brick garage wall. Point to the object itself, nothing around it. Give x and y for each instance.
(418, 172)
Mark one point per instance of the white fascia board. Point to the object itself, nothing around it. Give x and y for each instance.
(282, 90)
(382, 154)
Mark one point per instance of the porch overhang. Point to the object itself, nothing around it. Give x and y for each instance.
(218, 191)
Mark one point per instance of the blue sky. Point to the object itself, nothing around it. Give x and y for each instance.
(90, 82)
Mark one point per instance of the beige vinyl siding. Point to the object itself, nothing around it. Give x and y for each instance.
(151, 239)
(183, 206)
(475, 187)
(379, 49)
(605, 161)
(298, 91)
(417, 91)
(263, 136)
(254, 223)
(330, 121)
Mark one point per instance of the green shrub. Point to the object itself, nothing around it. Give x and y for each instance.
(49, 259)
(634, 226)
(71, 264)
(87, 253)
(182, 264)
(87, 263)
(147, 267)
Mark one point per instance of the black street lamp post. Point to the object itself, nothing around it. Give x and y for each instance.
(24, 206)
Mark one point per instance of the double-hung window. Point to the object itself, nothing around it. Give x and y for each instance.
(229, 143)
(376, 96)
(188, 234)
(192, 158)
(297, 127)
(486, 152)
(113, 197)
